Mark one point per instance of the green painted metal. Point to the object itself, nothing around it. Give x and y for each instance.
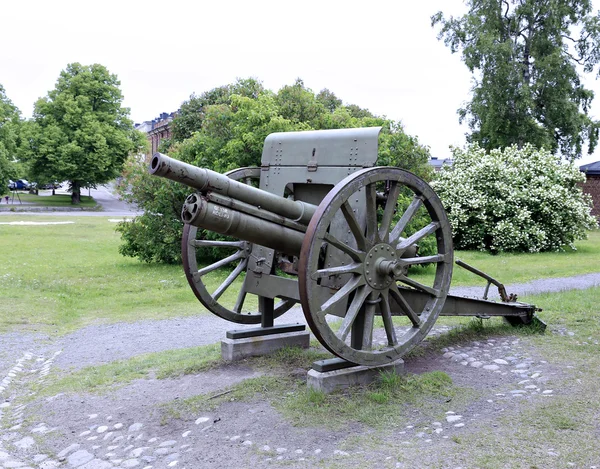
(318, 209)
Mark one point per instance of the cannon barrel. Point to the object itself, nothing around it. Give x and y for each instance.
(200, 212)
(204, 180)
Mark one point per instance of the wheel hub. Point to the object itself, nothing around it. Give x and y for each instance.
(381, 266)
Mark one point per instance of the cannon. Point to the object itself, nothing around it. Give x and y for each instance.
(319, 224)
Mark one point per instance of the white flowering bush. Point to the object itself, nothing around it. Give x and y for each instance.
(514, 199)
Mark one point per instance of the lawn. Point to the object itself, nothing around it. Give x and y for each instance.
(58, 200)
(57, 278)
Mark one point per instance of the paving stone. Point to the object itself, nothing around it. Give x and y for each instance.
(491, 367)
(169, 443)
(25, 443)
(499, 361)
(135, 427)
(96, 464)
(68, 450)
(173, 457)
(476, 364)
(453, 418)
(131, 463)
(50, 464)
(136, 453)
(13, 464)
(79, 457)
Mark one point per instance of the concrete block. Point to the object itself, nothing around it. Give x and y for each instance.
(238, 349)
(330, 381)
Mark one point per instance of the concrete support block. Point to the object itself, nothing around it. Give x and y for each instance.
(330, 381)
(238, 349)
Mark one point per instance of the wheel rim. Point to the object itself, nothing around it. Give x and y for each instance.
(239, 257)
(373, 266)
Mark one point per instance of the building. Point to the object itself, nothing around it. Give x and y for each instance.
(592, 185)
(437, 164)
(157, 130)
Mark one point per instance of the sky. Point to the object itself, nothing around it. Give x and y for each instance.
(381, 55)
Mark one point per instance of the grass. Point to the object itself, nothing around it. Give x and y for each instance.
(58, 278)
(159, 365)
(387, 403)
(58, 201)
(517, 268)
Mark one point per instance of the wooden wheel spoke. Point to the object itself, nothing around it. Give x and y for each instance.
(230, 279)
(353, 268)
(406, 217)
(422, 260)
(371, 212)
(386, 315)
(419, 286)
(414, 318)
(419, 235)
(357, 302)
(220, 263)
(389, 210)
(353, 253)
(355, 227)
(207, 243)
(239, 302)
(342, 293)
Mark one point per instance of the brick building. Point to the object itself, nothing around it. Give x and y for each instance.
(592, 184)
(157, 130)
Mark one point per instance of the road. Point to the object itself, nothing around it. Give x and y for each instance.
(104, 195)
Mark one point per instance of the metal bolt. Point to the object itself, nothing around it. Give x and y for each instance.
(367, 272)
(370, 279)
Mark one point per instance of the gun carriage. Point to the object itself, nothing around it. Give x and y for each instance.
(318, 224)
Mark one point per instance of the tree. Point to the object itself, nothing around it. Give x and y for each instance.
(190, 116)
(526, 56)
(80, 131)
(10, 122)
(228, 132)
(514, 200)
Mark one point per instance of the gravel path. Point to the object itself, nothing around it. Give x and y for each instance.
(579, 282)
(106, 343)
(124, 340)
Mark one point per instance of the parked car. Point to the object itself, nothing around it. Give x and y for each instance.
(11, 185)
(51, 185)
(20, 185)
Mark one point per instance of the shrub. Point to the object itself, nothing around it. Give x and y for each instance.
(514, 199)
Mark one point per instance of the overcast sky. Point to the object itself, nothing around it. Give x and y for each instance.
(381, 55)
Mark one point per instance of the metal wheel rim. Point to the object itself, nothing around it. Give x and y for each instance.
(309, 272)
(190, 266)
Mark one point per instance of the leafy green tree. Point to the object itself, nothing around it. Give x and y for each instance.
(525, 56)
(80, 131)
(10, 123)
(191, 115)
(227, 131)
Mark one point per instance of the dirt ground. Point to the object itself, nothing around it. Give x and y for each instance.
(128, 427)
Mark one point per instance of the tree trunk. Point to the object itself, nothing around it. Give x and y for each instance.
(75, 193)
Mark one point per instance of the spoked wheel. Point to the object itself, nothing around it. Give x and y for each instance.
(238, 260)
(364, 233)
